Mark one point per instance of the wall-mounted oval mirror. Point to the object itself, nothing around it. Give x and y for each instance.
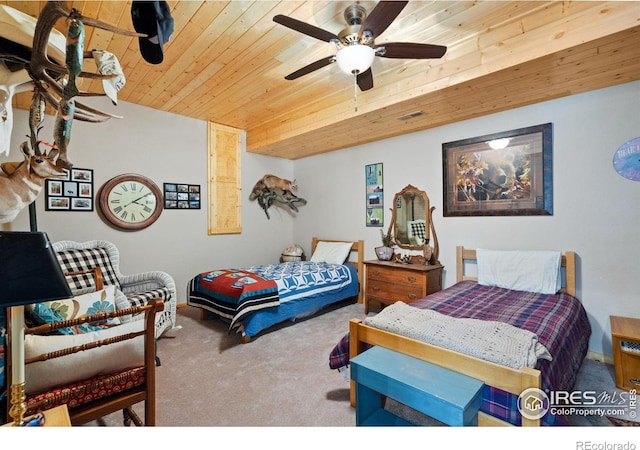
(411, 226)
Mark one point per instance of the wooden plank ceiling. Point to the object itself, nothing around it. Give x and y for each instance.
(226, 63)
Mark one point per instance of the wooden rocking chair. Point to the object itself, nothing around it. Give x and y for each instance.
(109, 390)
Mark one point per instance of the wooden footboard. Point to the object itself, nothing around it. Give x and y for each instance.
(492, 374)
(502, 377)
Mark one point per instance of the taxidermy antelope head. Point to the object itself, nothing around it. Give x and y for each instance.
(24, 181)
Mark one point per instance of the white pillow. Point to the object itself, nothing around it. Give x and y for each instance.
(43, 375)
(531, 271)
(331, 252)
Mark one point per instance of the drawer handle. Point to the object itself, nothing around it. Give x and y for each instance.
(375, 288)
(376, 272)
(635, 381)
(411, 278)
(412, 296)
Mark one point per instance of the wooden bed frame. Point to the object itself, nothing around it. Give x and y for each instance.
(502, 377)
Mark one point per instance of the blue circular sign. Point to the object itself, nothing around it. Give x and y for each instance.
(626, 160)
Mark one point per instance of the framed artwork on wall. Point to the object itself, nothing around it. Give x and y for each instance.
(502, 174)
(181, 196)
(375, 195)
(73, 193)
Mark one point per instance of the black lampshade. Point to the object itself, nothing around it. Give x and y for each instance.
(29, 270)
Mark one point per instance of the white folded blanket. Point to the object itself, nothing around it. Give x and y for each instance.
(493, 341)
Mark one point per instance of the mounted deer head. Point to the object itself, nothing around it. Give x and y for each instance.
(24, 181)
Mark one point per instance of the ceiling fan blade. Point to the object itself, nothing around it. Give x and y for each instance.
(365, 80)
(381, 17)
(410, 50)
(305, 28)
(311, 67)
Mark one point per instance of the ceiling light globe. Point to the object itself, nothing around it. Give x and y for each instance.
(355, 58)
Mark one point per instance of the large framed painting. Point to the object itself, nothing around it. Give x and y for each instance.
(501, 174)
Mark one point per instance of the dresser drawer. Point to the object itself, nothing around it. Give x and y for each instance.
(392, 292)
(410, 277)
(389, 282)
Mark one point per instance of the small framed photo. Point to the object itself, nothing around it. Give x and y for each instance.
(85, 190)
(54, 188)
(57, 203)
(70, 189)
(81, 204)
(82, 175)
(71, 193)
(181, 196)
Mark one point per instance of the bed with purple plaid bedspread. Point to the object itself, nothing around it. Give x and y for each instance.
(559, 321)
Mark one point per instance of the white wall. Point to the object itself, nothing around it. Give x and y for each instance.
(166, 148)
(596, 211)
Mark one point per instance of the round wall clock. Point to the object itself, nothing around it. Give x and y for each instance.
(626, 160)
(130, 201)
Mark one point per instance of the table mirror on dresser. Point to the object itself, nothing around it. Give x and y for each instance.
(411, 226)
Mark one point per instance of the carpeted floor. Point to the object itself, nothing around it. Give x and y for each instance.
(209, 379)
(600, 378)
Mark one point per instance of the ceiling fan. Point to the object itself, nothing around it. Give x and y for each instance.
(356, 47)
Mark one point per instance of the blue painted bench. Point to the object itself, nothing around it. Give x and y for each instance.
(447, 396)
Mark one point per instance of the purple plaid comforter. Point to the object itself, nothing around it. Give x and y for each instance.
(559, 321)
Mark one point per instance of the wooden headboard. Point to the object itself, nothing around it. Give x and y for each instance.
(568, 263)
(358, 248)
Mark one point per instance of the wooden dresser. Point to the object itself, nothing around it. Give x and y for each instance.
(388, 282)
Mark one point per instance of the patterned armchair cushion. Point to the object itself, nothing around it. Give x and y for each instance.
(77, 394)
(83, 259)
(81, 305)
(142, 298)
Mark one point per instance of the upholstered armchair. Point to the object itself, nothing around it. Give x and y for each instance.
(131, 290)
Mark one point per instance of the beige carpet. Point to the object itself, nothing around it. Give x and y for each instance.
(281, 378)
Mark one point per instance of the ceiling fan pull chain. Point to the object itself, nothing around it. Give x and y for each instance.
(355, 91)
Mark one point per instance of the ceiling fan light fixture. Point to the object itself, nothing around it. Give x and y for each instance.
(355, 59)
